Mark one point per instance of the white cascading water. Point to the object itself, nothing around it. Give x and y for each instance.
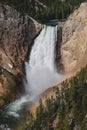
(41, 70)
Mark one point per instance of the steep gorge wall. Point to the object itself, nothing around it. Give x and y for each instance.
(16, 34)
(74, 40)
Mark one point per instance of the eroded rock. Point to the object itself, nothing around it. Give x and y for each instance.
(16, 33)
(74, 40)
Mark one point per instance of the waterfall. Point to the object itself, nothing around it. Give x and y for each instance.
(43, 52)
(40, 69)
(41, 73)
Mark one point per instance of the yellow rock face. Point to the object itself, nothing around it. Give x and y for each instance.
(74, 44)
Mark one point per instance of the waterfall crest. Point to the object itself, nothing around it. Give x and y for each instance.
(43, 51)
(40, 70)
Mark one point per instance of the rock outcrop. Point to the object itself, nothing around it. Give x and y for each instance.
(16, 34)
(74, 40)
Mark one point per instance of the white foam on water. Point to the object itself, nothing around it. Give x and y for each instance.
(13, 109)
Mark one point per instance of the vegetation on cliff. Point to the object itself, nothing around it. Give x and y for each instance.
(51, 9)
(67, 110)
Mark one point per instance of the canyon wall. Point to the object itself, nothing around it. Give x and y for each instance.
(16, 34)
(74, 40)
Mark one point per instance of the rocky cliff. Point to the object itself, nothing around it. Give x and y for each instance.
(72, 49)
(16, 34)
(74, 40)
